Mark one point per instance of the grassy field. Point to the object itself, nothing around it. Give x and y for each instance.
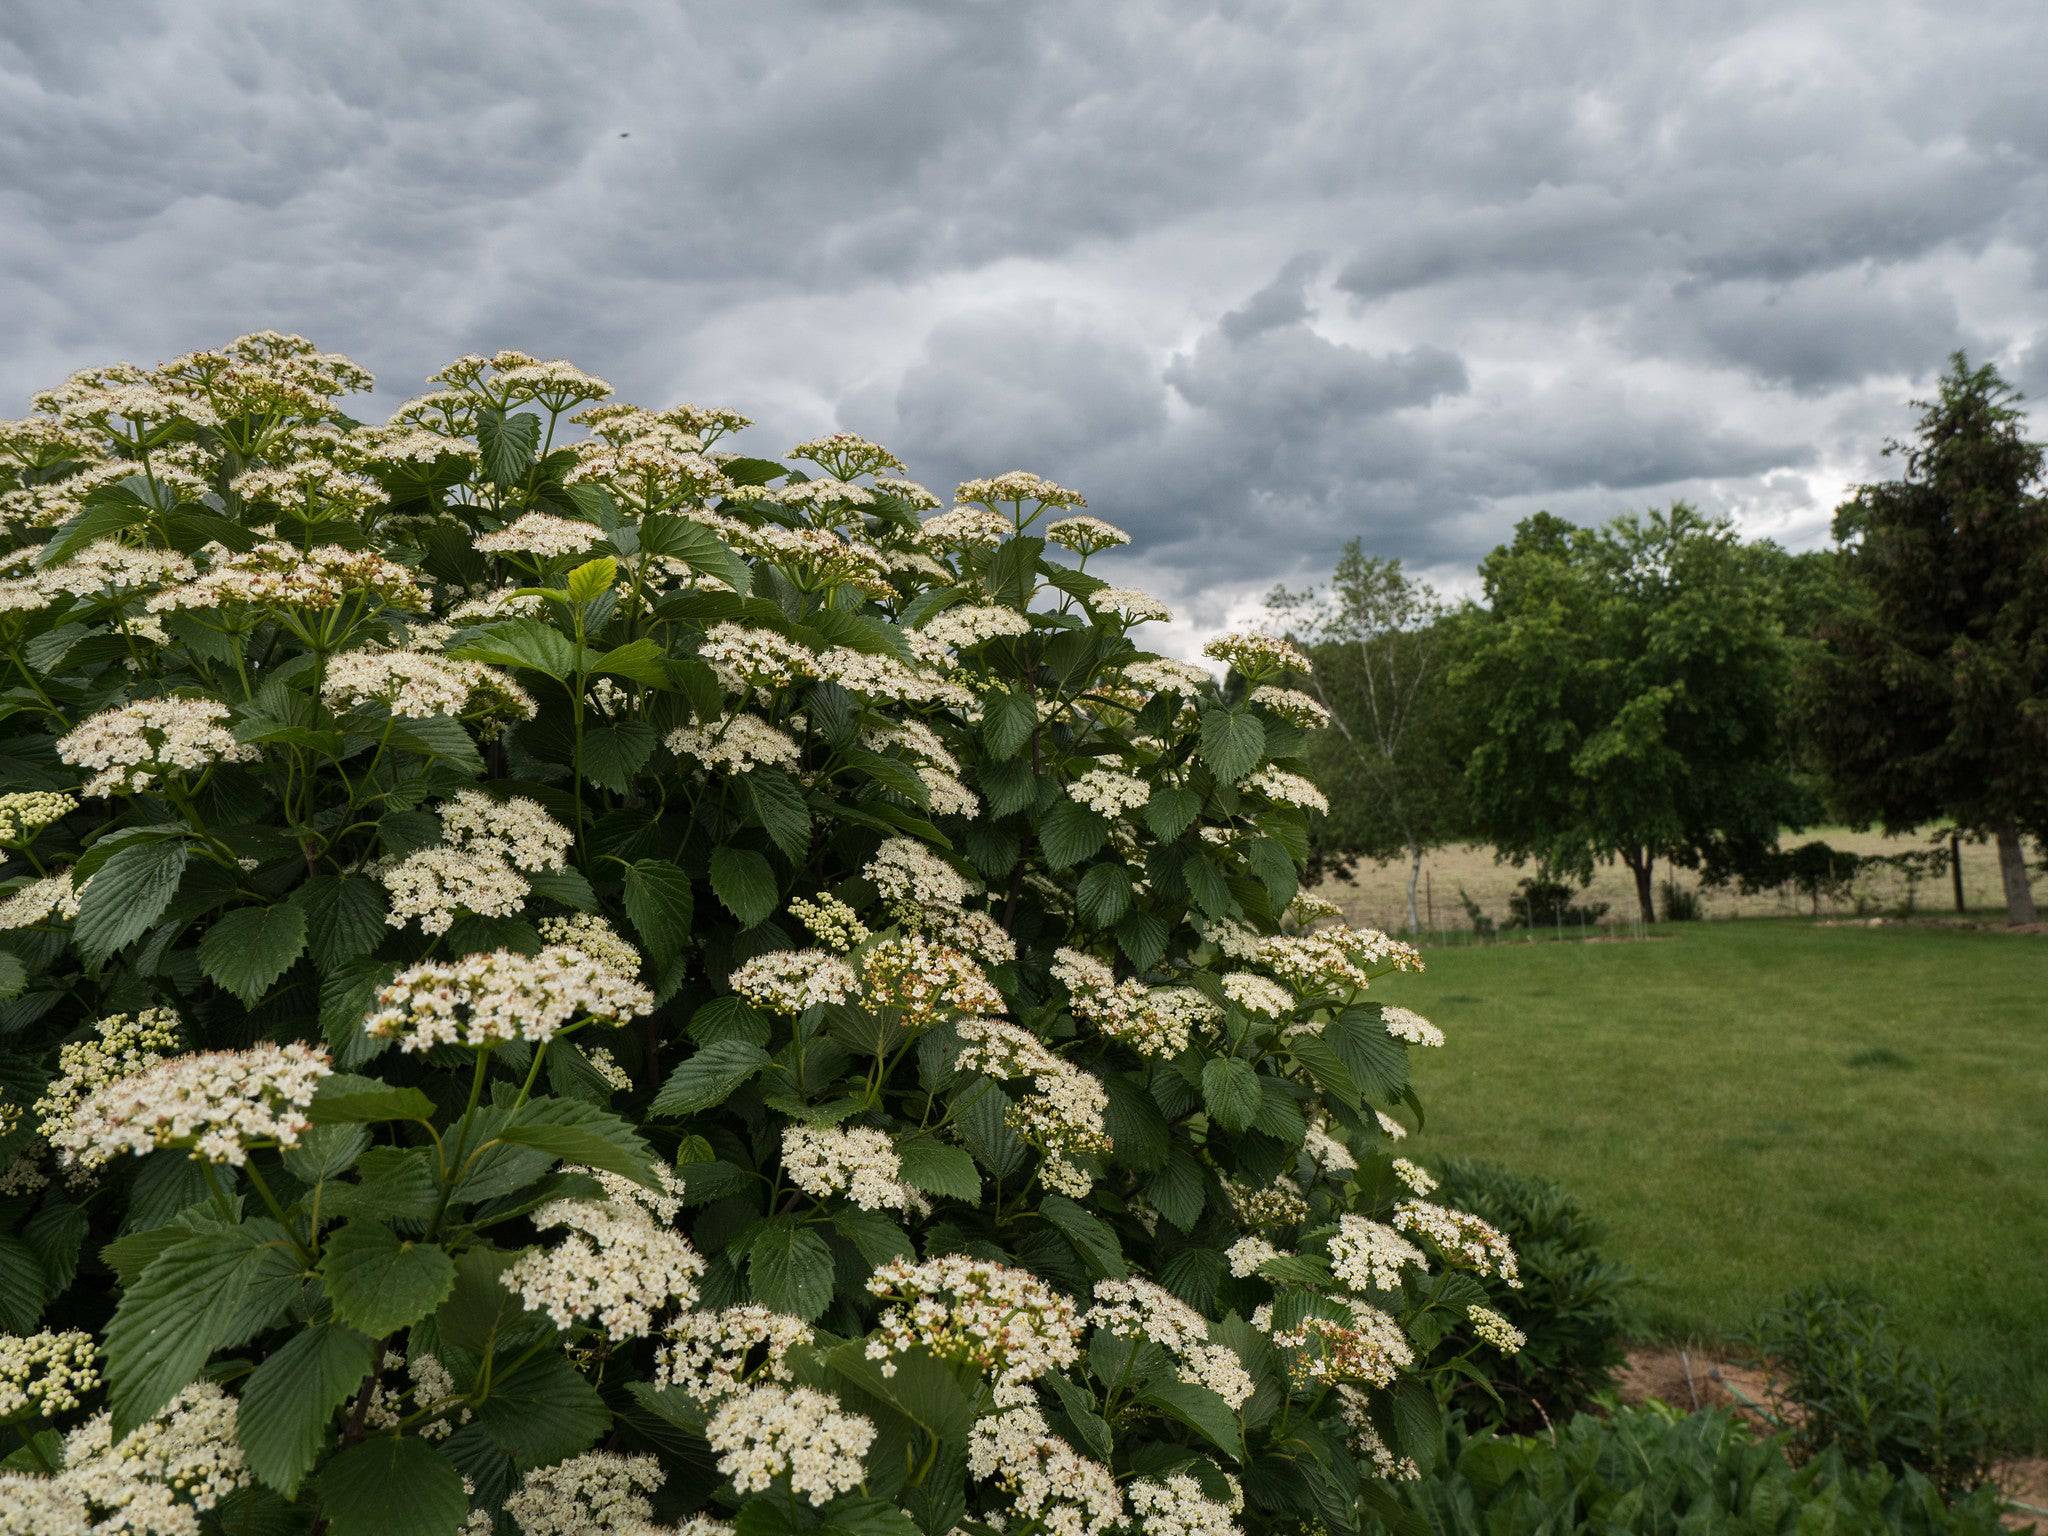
(1751, 1106)
(1378, 893)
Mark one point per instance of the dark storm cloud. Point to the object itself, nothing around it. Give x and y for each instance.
(1257, 278)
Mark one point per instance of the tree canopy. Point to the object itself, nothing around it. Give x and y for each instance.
(1930, 695)
(1625, 686)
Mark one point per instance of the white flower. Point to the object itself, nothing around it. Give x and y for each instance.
(1109, 793)
(1405, 1024)
(122, 1045)
(418, 685)
(618, 1266)
(217, 1103)
(735, 745)
(1328, 1153)
(1138, 1309)
(1496, 1330)
(1247, 1254)
(436, 885)
(515, 829)
(1085, 534)
(595, 937)
(1370, 1348)
(1292, 705)
(921, 981)
(745, 658)
(1166, 676)
(831, 921)
(1415, 1177)
(599, 1493)
(489, 998)
(1257, 655)
(542, 534)
(133, 744)
(765, 1432)
(1016, 486)
(53, 895)
(789, 981)
(967, 625)
(1464, 1240)
(1046, 1479)
(1130, 604)
(1177, 1506)
(46, 1373)
(1366, 1256)
(186, 1458)
(905, 870)
(966, 528)
(1005, 1322)
(1288, 789)
(710, 1354)
(859, 1161)
(1256, 994)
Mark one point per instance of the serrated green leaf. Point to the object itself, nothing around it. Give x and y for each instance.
(640, 661)
(660, 905)
(779, 806)
(24, 1286)
(507, 445)
(592, 579)
(709, 1077)
(743, 881)
(614, 752)
(1007, 720)
(1094, 1240)
(379, 1282)
(392, 1485)
(1069, 832)
(789, 1269)
(937, 1169)
(282, 1419)
(127, 894)
(579, 1132)
(1233, 741)
(1231, 1093)
(344, 917)
(344, 1099)
(1201, 1410)
(543, 1412)
(247, 950)
(1171, 811)
(1103, 895)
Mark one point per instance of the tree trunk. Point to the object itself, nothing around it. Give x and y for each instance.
(1641, 861)
(2012, 868)
(1955, 867)
(1414, 874)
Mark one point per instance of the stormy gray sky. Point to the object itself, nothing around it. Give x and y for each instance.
(1257, 277)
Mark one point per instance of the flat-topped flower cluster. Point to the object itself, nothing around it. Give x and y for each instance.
(563, 976)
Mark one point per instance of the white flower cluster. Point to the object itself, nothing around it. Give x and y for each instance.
(217, 1103)
(1062, 1116)
(132, 745)
(1006, 1323)
(619, 1265)
(1496, 1330)
(1284, 788)
(1463, 1239)
(858, 1161)
(711, 1354)
(46, 1374)
(907, 873)
(1292, 705)
(1017, 486)
(1257, 655)
(1130, 604)
(1178, 1506)
(967, 625)
(789, 981)
(831, 921)
(1247, 1254)
(1368, 1256)
(767, 1431)
(419, 685)
(491, 997)
(35, 902)
(599, 1493)
(1050, 1483)
(1414, 1175)
(436, 885)
(154, 1482)
(1153, 1021)
(1356, 1406)
(885, 678)
(1337, 959)
(595, 937)
(515, 829)
(1160, 675)
(1277, 1204)
(1370, 1348)
(121, 1046)
(1257, 994)
(27, 812)
(734, 745)
(1109, 793)
(923, 982)
(1328, 1153)
(542, 534)
(1138, 1309)
(746, 658)
(966, 528)
(280, 575)
(1406, 1024)
(1085, 534)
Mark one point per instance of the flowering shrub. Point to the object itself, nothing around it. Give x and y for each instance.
(561, 978)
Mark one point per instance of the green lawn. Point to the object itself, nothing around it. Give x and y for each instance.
(1753, 1105)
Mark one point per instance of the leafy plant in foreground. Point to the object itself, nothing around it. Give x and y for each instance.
(560, 977)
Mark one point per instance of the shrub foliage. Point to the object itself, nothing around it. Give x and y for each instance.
(558, 976)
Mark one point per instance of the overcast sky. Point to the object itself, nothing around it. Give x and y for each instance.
(1256, 277)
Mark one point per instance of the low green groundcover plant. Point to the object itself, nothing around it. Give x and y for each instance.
(559, 977)
(1652, 1471)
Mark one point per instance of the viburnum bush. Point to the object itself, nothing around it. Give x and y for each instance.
(560, 978)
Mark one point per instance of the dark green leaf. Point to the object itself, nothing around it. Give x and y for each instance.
(789, 1269)
(343, 1099)
(708, 1077)
(1171, 811)
(1104, 894)
(1007, 720)
(282, 1420)
(127, 894)
(937, 1169)
(660, 905)
(613, 753)
(380, 1282)
(1231, 1093)
(393, 1485)
(779, 806)
(578, 1132)
(543, 1412)
(248, 949)
(1093, 1238)
(1233, 741)
(745, 883)
(344, 917)
(508, 444)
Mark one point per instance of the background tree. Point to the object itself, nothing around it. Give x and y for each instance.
(1381, 642)
(1930, 697)
(1625, 685)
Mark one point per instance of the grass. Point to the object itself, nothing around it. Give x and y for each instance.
(1378, 893)
(1751, 1106)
